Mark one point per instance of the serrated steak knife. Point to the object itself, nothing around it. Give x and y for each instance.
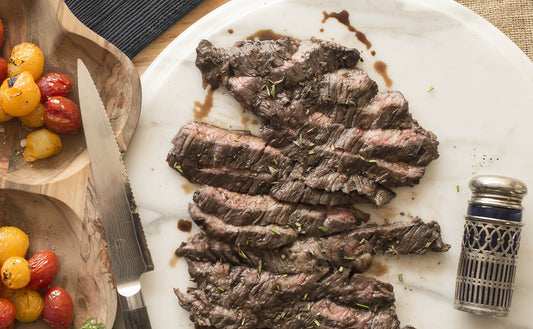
(127, 247)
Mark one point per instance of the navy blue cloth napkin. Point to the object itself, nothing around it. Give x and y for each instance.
(130, 25)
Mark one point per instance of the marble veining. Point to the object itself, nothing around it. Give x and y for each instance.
(464, 81)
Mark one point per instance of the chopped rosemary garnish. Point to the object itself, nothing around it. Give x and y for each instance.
(362, 241)
(372, 161)
(327, 128)
(308, 306)
(241, 253)
(273, 91)
(427, 245)
(282, 315)
(311, 144)
(400, 277)
(307, 112)
(310, 152)
(248, 242)
(274, 231)
(393, 251)
(341, 269)
(268, 91)
(236, 139)
(322, 228)
(361, 157)
(305, 297)
(363, 306)
(274, 183)
(332, 147)
(318, 314)
(215, 159)
(349, 258)
(284, 275)
(283, 257)
(221, 289)
(328, 283)
(430, 89)
(457, 188)
(351, 102)
(275, 161)
(259, 267)
(178, 167)
(317, 323)
(298, 316)
(311, 93)
(243, 320)
(273, 171)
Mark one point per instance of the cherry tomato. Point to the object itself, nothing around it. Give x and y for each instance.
(41, 144)
(7, 313)
(15, 272)
(13, 242)
(62, 115)
(1, 33)
(3, 69)
(43, 269)
(53, 84)
(19, 94)
(26, 57)
(29, 305)
(35, 118)
(58, 310)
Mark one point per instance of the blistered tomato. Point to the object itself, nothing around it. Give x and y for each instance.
(26, 57)
(58, 311)
(29, 305)
(43, 269)
(7, 313)
(41, 144)
(62, 115)
(3, 69)
(15, 272)
(53, 84)
(13, 242)
(19, 95)
(35, 118)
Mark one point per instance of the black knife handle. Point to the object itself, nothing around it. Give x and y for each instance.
(134, 312)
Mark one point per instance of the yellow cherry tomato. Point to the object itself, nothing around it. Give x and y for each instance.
(29, 305)
(19, 95)
(35, 118)
(41, 144)
(26, 57)
(15, 272)
(13, 242)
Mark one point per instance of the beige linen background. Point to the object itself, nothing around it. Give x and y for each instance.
(512, 17)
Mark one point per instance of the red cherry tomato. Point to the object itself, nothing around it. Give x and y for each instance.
(7, 313)
(3, 69)
(43, 269)
(62, 115)
(53, 84)
(58, 310)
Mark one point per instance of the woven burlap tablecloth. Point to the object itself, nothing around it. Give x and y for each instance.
(512, 17)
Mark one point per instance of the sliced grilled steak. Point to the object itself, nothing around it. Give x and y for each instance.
(284, 59)
(302, 314)
(304, 256)
(352, 250)
(269, 237)
(246, 287)
(242, 209)
(202, 151)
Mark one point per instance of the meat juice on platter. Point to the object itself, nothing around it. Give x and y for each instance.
(283, 243)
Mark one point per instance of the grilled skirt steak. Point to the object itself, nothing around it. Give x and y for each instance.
(301, 314)
(248, 287)
(242, 209)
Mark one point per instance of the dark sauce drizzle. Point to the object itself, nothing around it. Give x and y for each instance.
(201, 110)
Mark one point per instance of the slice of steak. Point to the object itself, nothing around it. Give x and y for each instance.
(304, 256)
(268, 237)
(302, 314)
(284, 58)
(351, 251)
(242, 209)
(202, 151)
(240, 285)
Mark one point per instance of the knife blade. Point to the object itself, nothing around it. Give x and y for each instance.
(127, 248)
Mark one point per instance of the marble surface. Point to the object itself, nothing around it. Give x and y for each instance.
(479, 106)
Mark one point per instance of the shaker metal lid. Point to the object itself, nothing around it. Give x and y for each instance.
(498, 191)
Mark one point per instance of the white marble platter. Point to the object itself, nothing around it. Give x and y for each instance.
(480, 107)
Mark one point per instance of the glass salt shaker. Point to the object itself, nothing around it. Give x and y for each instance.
(491, 239)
